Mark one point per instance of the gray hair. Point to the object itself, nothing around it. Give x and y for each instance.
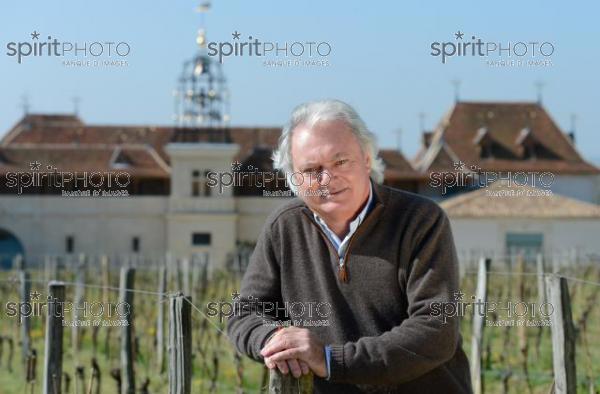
(313, 112)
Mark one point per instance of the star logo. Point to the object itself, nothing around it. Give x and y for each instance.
(34, 295)
(35, 166)
(35, 35)
(459, 166)
(236, 35)
(459, 35)
(458, 295)
(236, 166)
(235, 295)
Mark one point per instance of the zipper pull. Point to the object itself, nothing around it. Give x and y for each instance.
(342, 274)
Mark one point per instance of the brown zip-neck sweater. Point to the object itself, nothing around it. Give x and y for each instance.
(379, 325)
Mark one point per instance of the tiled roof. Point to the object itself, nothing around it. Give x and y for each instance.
(67, 129)
(397, 167)
(69, 142)
(501, 201)
(516, 136)
(142, 161)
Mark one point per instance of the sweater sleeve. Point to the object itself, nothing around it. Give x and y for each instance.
(421, 342)
(247, 329)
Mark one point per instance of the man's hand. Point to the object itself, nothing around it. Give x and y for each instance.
(297, 367)
(296, 346)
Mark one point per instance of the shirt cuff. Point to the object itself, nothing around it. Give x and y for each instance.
(328, 360)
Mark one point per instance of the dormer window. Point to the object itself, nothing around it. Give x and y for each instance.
(120, 159)
(528, 142)
(531, 147)
(485, 142)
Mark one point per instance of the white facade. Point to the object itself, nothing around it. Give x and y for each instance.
(488, 235)
(108, 225)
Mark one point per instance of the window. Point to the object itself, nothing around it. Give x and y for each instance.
(528, 245)
(135, 244)
(69, 244)
(201, 239)
(199, 183)
(195, 183)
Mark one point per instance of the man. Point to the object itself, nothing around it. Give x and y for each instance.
(378, 258)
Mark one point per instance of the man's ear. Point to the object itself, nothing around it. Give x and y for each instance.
(368, 161)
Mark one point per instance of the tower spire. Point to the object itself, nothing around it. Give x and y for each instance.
(201, 96)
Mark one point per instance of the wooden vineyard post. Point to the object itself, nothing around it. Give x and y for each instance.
(105, 266)
(540, 269)
(77, 305)
(288, 384)
(180, 345)
(126, 304)
(478, 323)
(54, 338)
(541, 284)
(160, 319)
(24, 321)
(563, 336)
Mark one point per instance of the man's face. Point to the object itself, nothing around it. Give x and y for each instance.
(331, 163)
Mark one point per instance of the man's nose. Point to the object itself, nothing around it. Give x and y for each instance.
(326, 176)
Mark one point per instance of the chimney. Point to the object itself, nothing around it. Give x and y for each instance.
(571, 134)
(427, 138)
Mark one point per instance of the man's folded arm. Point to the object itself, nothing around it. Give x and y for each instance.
(247, 330)
(421, 342)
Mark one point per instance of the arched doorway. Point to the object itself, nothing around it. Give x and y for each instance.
(9, 248)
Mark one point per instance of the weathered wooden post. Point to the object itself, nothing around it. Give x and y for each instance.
(160, 319)
(180, 345)
(541, 285)
(24, 320)
(288, 384)
(540, 278)
(54, 338)
(478, 323)
(126, 284)
(105, 266)
(563, 336)
(77, 305)
(521, 327)
(204, 275)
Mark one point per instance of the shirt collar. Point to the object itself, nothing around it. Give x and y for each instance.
(353, 224)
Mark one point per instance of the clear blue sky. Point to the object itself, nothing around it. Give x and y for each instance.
(380, 61)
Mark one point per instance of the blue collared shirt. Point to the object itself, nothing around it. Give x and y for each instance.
(341, 246)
